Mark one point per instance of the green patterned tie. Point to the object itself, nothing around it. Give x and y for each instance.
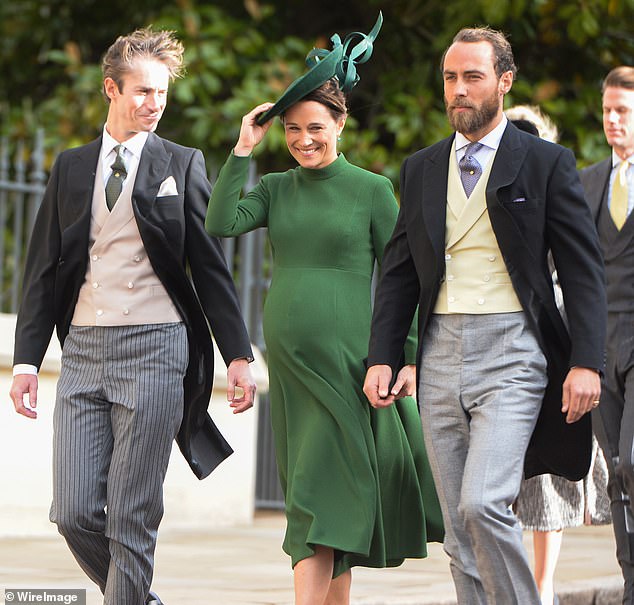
(115, 181)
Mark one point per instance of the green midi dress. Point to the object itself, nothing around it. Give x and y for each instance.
(355, 479)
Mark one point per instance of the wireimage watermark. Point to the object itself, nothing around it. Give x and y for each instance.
(26, 596)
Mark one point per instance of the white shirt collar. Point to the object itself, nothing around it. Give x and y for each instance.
(133, 145)
(616, 160)
(491, 139)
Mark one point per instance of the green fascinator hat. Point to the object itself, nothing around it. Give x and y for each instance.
(340, 62)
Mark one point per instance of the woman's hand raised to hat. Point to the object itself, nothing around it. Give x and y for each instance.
(250, 133)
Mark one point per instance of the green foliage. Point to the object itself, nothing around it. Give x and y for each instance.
(240, 54)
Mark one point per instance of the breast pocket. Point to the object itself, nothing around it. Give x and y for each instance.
(523, 204)
(528, 214)
(169, 206)
(168, 214)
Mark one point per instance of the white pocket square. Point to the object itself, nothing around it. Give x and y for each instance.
(168, 187)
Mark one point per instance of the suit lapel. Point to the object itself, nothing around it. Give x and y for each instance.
(153, 167)
(506, 167)
(433, 188)
(596, 186)
(511, 240)
(83, 168)
(507, 163)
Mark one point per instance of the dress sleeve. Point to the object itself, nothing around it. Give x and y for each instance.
(227, 213)
(384, 213)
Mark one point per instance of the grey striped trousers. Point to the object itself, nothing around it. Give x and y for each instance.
(119, 406)
(482, 381)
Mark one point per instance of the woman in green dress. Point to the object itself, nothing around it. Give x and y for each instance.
(358, 490)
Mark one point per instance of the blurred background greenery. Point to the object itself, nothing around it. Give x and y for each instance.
(243, 52)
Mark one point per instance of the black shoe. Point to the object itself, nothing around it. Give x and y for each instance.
(153, 599)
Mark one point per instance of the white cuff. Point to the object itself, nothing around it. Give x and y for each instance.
(24, 368)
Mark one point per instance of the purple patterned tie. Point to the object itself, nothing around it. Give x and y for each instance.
(470, 169)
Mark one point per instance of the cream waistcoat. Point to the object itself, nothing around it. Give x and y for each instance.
(121, 287)
(476, 280)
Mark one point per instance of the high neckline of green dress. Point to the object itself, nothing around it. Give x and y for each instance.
(333, 169)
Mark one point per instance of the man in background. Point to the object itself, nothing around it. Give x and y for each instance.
(609, 187)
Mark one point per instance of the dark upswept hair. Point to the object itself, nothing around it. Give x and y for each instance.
(143, 44)
(330, 96)
(502, 52)
(619, 77)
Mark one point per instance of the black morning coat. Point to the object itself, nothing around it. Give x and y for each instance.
(177, 246)
(535, 204)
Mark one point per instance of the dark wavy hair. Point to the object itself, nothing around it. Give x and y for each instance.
(330, 96)
(502, 52)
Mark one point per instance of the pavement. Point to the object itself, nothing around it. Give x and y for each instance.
(246, 566)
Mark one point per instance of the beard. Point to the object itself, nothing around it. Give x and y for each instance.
(469, 122)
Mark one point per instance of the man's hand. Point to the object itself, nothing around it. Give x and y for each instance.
(405, 384)
(377, 384)
(581, 392)
(23, 384)
(239, 375)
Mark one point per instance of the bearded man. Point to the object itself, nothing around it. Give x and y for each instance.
(504, 385)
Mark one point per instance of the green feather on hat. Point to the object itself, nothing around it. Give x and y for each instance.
(340, 63)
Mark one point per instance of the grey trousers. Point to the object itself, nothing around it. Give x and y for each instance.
(119, 406)
(481, 387)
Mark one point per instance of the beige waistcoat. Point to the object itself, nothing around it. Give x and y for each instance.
(476, 280)
(120, 287)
